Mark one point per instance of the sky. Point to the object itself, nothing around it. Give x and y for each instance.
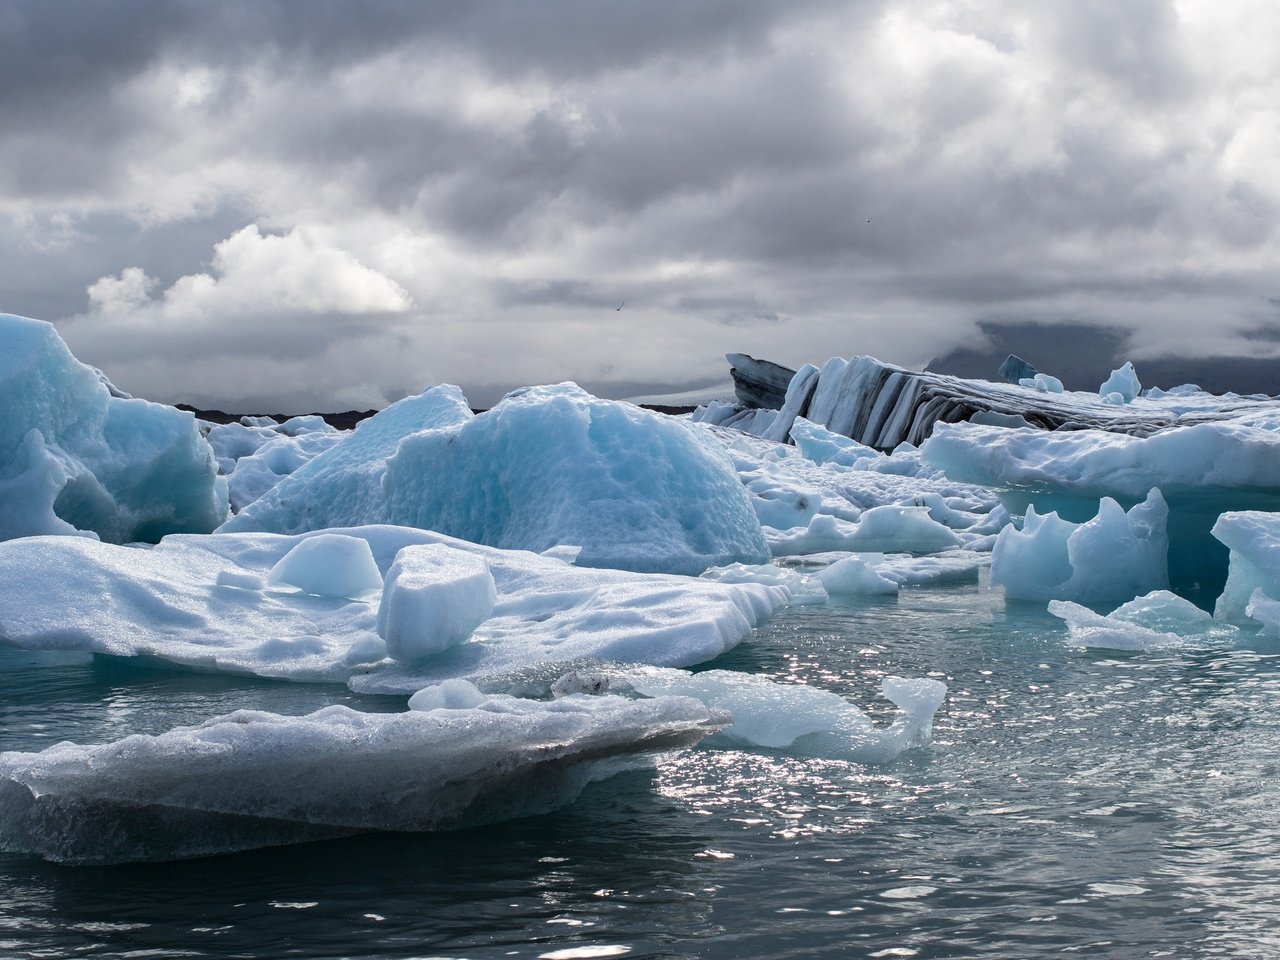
(327, 205)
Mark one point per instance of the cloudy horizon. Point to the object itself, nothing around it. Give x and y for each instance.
(329, 205)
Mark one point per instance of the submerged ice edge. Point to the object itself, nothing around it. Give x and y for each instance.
(253, 779)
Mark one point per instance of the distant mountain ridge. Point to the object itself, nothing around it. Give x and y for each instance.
(1083, 355)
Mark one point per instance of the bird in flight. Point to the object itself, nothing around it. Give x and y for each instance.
(620, 306)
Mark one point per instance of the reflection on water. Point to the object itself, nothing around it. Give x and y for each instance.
(1072, 802)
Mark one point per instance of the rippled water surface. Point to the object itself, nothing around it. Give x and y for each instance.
(1073, 803)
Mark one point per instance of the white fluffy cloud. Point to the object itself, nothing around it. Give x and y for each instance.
(253, 276)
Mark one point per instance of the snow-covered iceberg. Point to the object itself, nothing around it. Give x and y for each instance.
(548, 466)
(77, 456)
(252, 779)
(811, 506)
(206, 602)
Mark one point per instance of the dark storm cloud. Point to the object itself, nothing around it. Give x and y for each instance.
(791, 180)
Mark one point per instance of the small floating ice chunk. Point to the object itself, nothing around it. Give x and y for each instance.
(434, 598)
(328, 565)
(801, 589)
(1253, 538)
(888, 528)
(857, 577)
(801, 718)
(1114, 556)
(1042, 382)
(1151, 622)
(1266, 611)
(454, 694)
(574, 681)
(1123, 381)
(900, 529)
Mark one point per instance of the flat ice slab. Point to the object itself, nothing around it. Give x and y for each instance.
(203, 602)
(253, 779)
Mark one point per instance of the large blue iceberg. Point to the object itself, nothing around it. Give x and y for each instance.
(547, 467)
(77, 456)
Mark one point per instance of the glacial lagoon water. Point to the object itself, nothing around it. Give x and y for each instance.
(1073, 803)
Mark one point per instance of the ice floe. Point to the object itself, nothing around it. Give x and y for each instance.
(1202, 470)
(205, 602)
(252, 779)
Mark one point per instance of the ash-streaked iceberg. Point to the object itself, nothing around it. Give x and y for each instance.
(252, 779)
(77, 456)
(547, 467)
(205, 602)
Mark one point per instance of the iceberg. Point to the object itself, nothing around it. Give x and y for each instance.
(1202, 470)
(343, 486)
(856, 576)
(1114, 556)
(1253, 539)
(76, 456)
(203, 602)
(548, 466)
(255, 456)
(883, 529)
(1124, 382)
(252, 779)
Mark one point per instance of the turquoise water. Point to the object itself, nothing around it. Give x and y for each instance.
(1072, 804)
